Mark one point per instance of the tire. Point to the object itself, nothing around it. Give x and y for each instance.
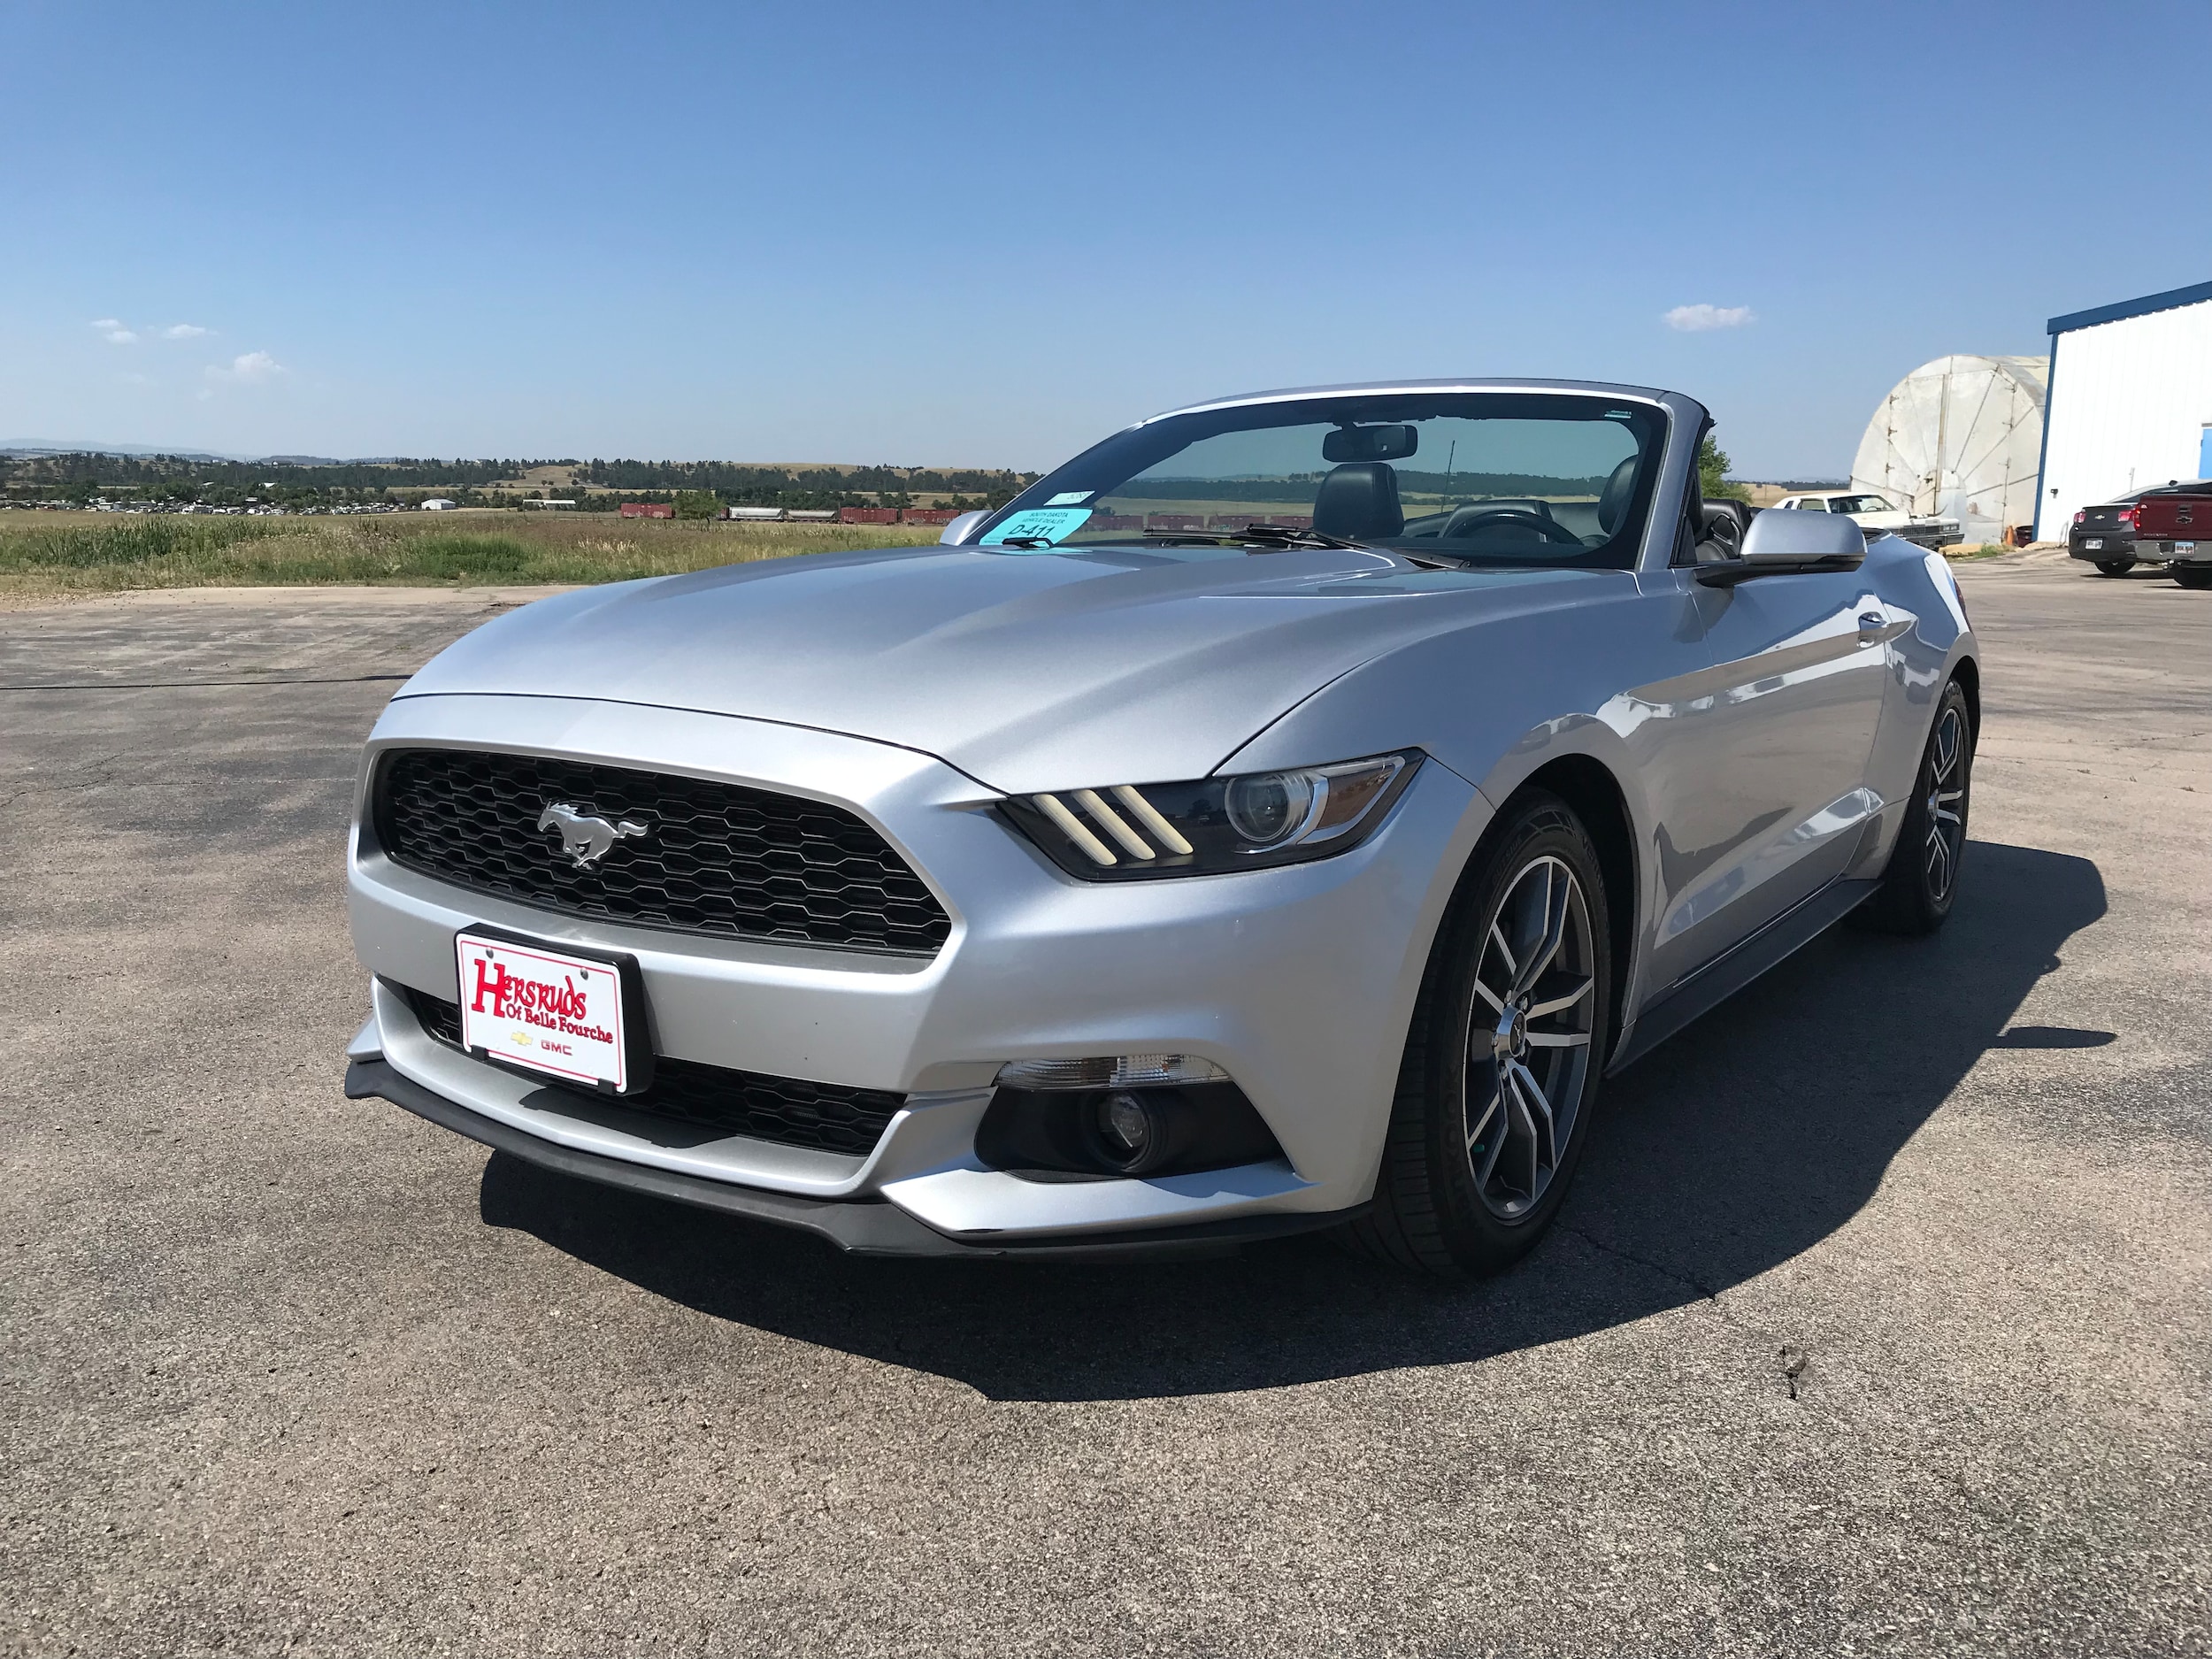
(2197, 576)
(2115, 567)
(1477, 1162)
(1922, 881)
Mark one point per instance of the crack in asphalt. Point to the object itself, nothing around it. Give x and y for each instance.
(1792, 1357)
(1664, 1272)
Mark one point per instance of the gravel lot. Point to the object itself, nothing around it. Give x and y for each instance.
(287, 1374)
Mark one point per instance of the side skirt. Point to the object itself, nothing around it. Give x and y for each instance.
(1734, 968)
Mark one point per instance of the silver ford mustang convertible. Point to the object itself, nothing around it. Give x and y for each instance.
(1279, 817)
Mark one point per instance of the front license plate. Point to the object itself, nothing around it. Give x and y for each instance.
(550, 1010)
(2092, 544)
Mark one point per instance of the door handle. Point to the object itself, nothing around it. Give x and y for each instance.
(1873, 627)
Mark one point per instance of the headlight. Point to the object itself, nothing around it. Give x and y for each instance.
(1214, 825)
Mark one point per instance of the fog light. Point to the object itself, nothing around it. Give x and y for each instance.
(1131, 1132)
(1123, 1071)
(1126, 1124)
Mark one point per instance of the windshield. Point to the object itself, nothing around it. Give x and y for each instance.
(1859, 504)
(1479, 477)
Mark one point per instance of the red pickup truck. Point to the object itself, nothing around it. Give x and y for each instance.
(2175, 523)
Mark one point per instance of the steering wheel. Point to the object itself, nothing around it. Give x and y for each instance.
(1469, 520)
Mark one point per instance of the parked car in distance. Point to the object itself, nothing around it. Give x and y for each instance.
(1878, 515)
(2177, 520)
(1083, 887)
(2104, 535)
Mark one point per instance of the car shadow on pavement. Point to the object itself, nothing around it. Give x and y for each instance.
(1730, 1149)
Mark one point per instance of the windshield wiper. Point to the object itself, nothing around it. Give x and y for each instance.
(1266, 535)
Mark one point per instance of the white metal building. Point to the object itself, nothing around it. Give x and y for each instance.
(1960, 438)
(2130, 404)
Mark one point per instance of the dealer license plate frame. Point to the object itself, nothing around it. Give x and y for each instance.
(634, 1020)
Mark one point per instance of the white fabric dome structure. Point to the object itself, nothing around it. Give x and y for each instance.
(1961, 438)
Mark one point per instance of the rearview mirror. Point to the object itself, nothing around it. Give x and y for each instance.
(1781, 543)
(1369, 444)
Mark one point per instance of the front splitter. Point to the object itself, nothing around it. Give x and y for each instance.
(860, 1227)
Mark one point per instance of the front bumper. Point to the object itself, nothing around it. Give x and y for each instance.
(859, 1228)
(1297, 980)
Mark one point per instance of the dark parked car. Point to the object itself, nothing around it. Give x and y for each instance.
(2105, 535)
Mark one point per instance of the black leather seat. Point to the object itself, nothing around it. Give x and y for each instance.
(1739, 511)
(1358, 501)
(1720, 534)
(1613, 502)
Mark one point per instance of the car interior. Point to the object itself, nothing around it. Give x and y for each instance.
(1523, 519)
(1721, 531)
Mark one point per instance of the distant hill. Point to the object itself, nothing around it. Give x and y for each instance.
(55, 446)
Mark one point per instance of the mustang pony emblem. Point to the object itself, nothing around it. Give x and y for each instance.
(583, 837)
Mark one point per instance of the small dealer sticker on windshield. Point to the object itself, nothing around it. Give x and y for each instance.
(554, 1013)
(1048, 525)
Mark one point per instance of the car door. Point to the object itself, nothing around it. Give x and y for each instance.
(1758, 786)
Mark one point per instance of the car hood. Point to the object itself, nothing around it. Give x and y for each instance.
(1026, 672)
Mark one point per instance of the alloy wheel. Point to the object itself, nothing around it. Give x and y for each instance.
(1946, 793)
(1529, 1036)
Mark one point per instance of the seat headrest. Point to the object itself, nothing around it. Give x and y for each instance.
(1359, 502)
(1613, 504)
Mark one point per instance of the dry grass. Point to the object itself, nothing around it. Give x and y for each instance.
(49, 553)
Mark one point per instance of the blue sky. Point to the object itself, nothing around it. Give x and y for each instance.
(987, 234)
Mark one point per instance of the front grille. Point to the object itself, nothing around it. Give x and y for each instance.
(716, 858)
(788, 1110)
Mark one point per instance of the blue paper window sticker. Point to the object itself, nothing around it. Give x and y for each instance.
(1049, 525)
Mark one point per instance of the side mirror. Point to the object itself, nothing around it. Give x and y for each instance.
(1788, 543)
(957, 529)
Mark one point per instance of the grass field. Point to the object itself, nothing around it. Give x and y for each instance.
(53, 553)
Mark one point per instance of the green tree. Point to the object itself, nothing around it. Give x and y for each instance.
(1712, 473)
(698, 504)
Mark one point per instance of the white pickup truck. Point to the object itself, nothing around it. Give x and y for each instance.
(1878, 515)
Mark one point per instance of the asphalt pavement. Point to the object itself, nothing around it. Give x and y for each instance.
(1879, 1321)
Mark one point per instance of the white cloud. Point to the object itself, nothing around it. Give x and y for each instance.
(249, 368)
(113, 330)
(1696, 319)
(184, 331)
(107, 322)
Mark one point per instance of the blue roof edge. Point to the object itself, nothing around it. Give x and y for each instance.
(2169, 301)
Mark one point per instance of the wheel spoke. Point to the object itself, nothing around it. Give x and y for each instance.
(1497, 938)
(1557, 896)
(1497, 1002)
(1539, 1118)
(1488, 1111)
(1947, 747)
(1554, 1004)
(1559, 1040)
(1497, 1113)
